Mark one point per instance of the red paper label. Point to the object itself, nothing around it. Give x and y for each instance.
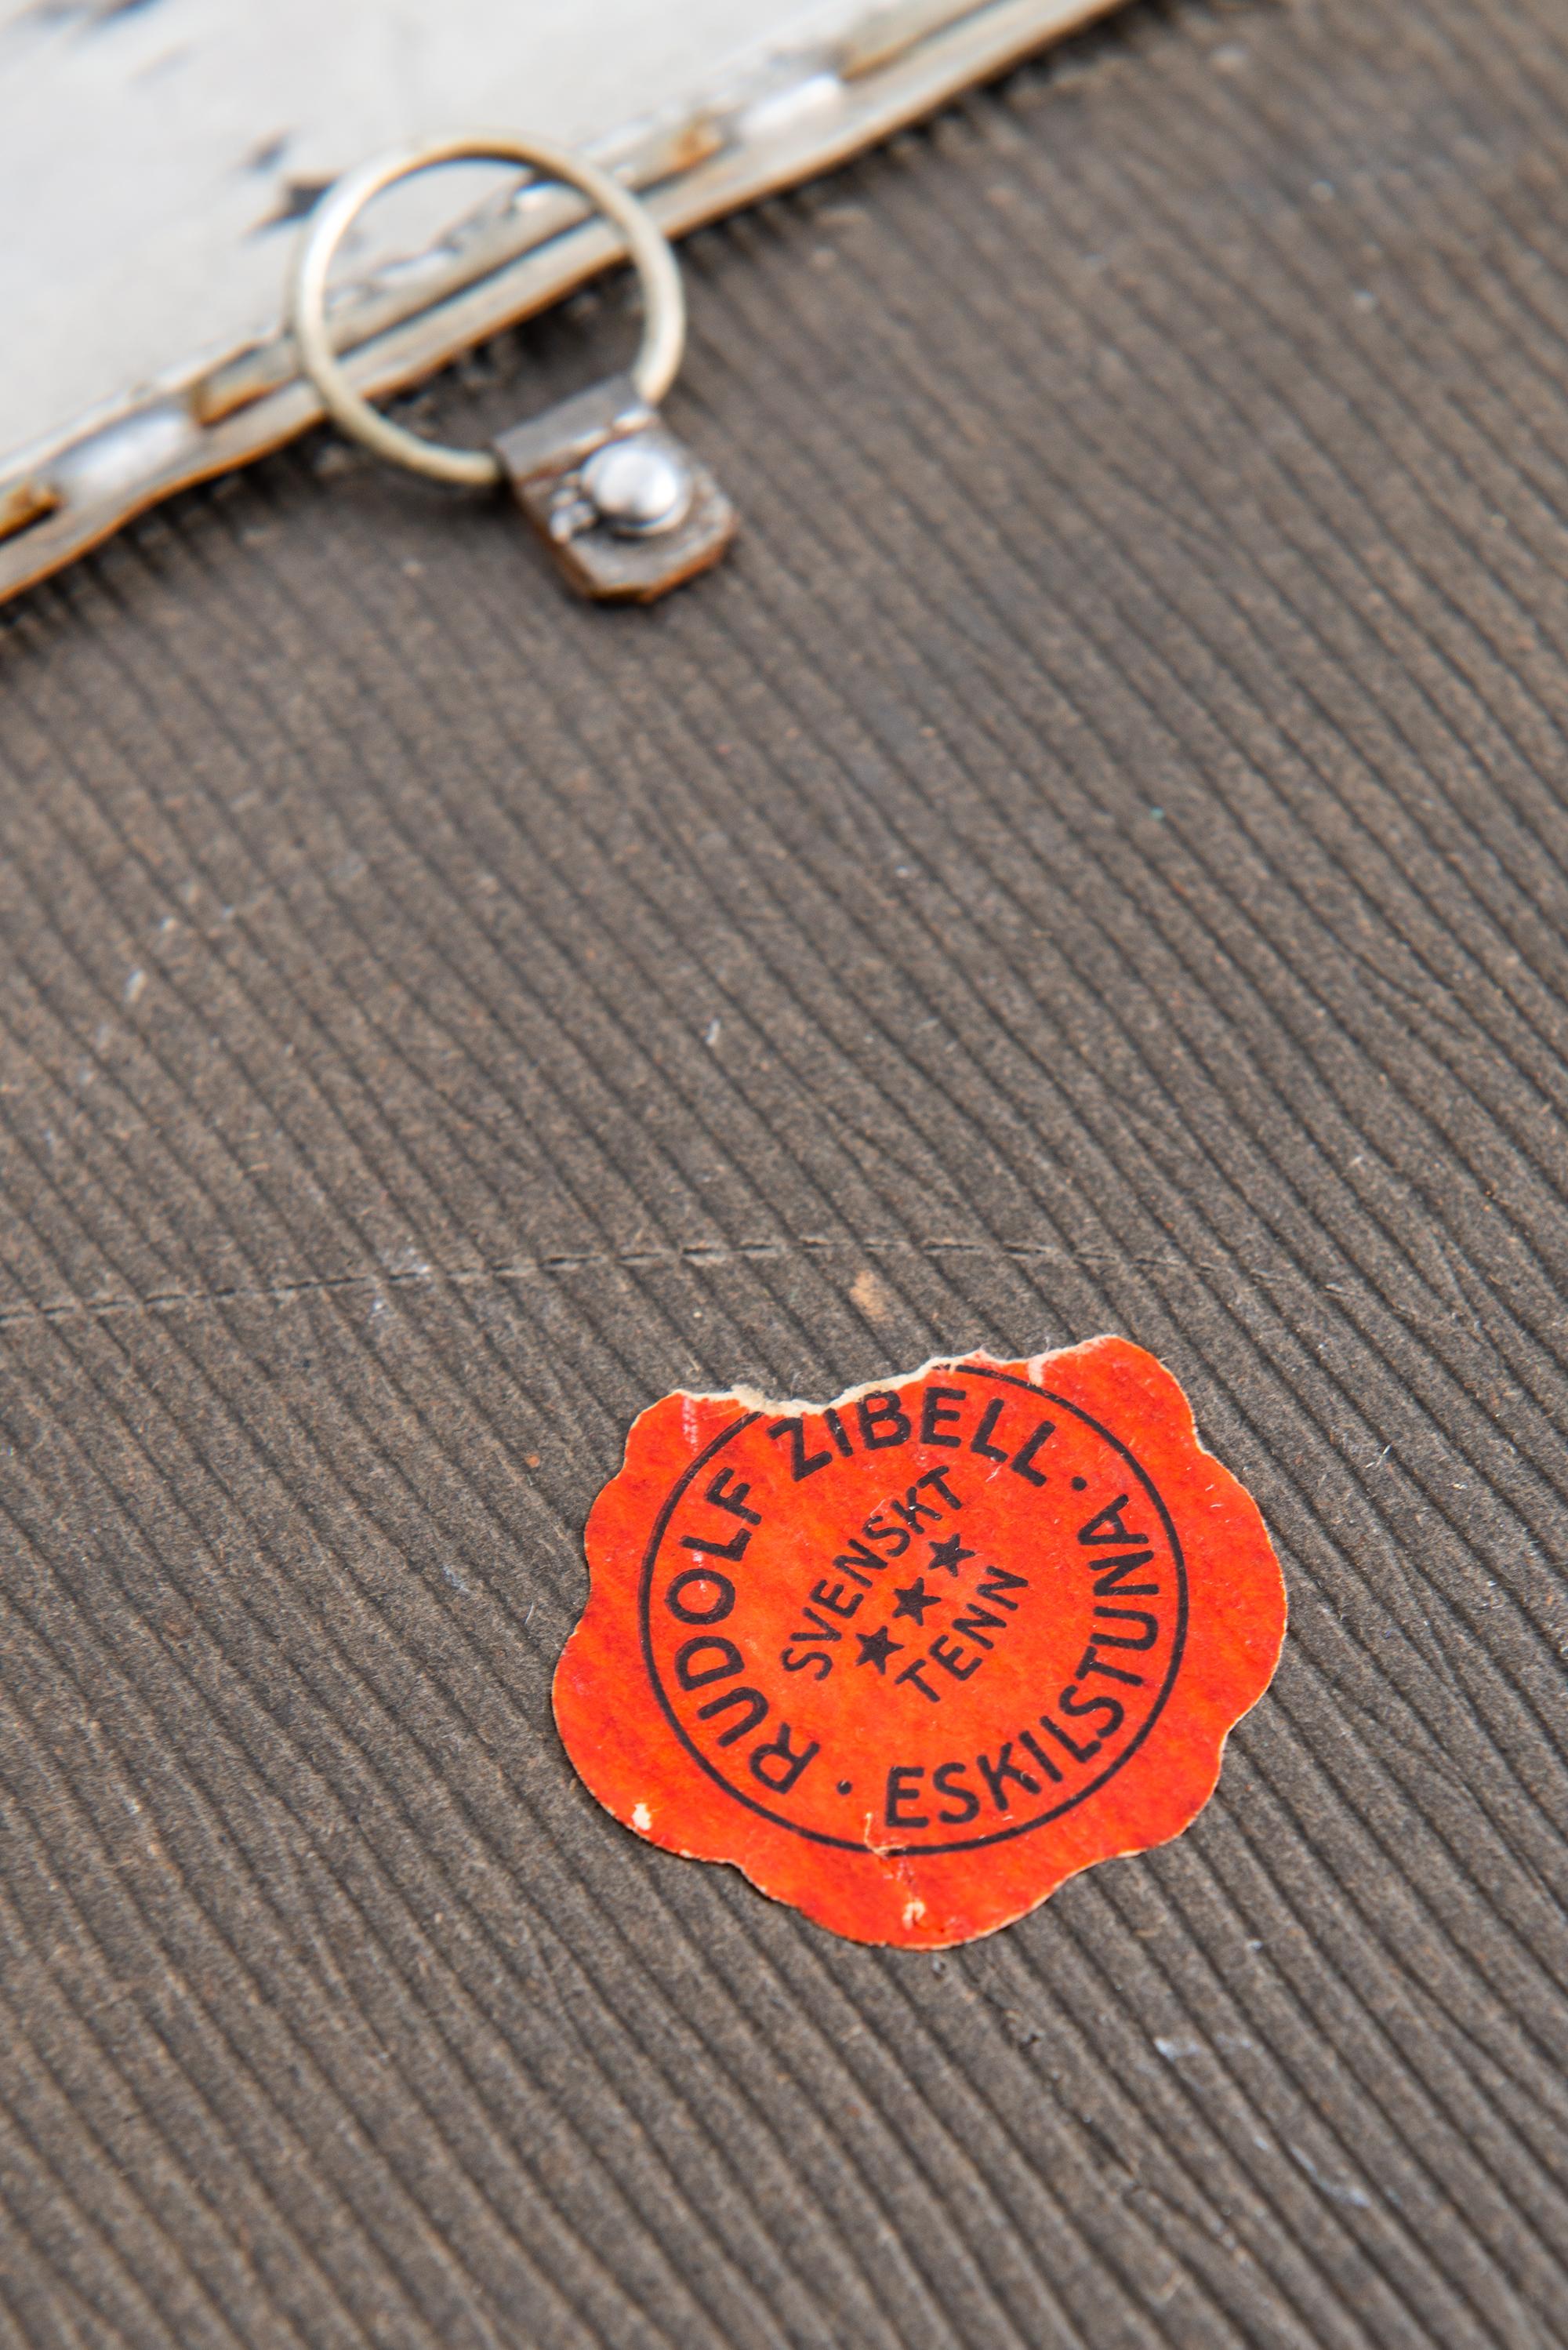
(911, 1658)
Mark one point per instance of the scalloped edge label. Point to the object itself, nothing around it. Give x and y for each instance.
(911, 1659)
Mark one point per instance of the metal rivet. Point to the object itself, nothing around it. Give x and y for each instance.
(637, 489)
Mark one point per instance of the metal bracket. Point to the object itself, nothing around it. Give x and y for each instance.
(623, 507)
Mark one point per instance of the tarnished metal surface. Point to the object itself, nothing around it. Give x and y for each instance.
(799, 115)
(546, 462)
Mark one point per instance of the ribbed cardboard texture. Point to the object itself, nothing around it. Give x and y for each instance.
(1093, 858)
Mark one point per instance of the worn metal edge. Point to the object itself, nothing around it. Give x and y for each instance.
(796, 117)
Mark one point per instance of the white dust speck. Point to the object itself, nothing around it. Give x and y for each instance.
(711, 1033)
(641, 1818)
(914, 1911)
(407, 1265)
(134, 986)
(1338, 2190)
(1171, 2049)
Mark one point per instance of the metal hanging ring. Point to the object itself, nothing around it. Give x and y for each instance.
(664, 306)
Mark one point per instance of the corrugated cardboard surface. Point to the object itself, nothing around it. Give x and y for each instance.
(1096, 858)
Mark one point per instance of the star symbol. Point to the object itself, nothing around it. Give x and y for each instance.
(875, 1648)
(914, 1600)
(948, 1554)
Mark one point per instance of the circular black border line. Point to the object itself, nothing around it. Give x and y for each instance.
(961, 1843)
